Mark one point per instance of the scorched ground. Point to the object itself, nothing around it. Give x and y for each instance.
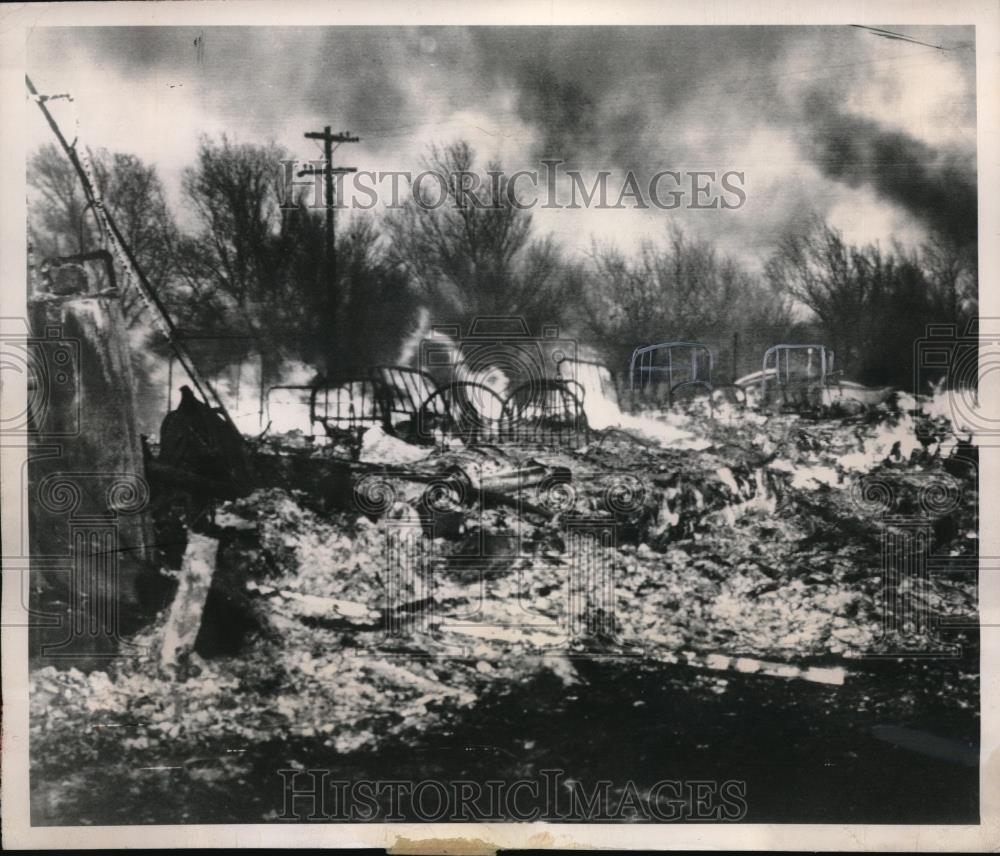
(744, 636)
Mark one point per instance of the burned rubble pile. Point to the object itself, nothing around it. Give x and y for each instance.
(469, 568)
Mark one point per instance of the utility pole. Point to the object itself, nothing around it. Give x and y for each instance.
(123, 252)
(330, 248)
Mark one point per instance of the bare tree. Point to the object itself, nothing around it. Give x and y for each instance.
(257, 267)
(61, 222)
(675, 289)
(872, 305)
(57, 210)
(819, 270)
(953, 272)
(238, 264)
(233, 193)
(469, 248)
(378, 296)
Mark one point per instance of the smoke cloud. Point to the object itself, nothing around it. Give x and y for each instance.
(824, 120)
(937, 187)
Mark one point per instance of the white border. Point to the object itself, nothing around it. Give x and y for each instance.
(17, 20)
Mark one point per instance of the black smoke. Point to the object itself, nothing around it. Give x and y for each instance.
(937, 187)
(618, 96)
(626, 98)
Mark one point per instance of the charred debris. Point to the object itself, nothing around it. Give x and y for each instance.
(436, 531)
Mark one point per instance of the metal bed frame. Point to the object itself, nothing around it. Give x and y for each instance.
(642, 371)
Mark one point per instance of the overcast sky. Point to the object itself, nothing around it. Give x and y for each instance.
(876, 134)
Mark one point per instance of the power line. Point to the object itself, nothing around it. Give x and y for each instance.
(890, 34)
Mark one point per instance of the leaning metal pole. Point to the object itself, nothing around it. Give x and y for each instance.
(130, 265)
